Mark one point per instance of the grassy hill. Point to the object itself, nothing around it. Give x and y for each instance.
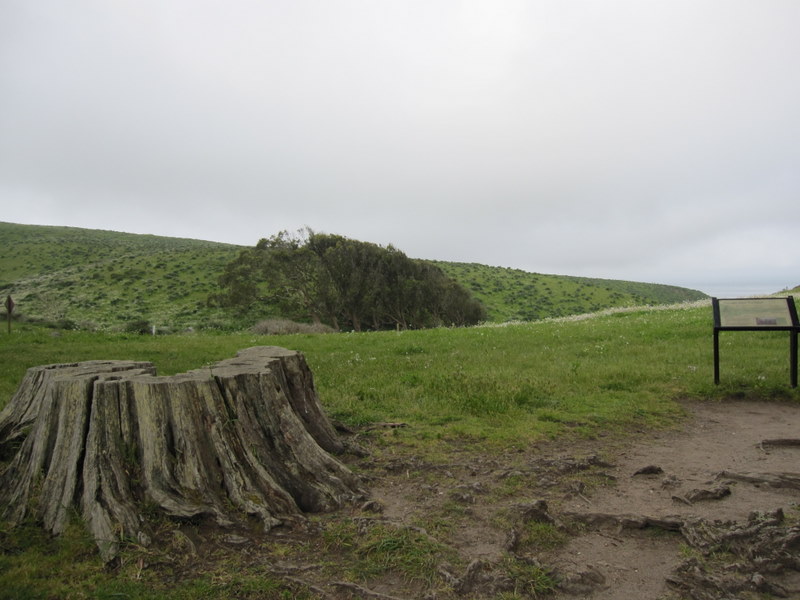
(515, 295)
(95, 279)
(91, 278)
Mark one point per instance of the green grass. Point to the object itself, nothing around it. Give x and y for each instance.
(34, 565)
(501, 384)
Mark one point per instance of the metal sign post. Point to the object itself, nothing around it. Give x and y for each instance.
(757, 314)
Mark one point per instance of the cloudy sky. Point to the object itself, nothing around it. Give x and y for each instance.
(652, 140)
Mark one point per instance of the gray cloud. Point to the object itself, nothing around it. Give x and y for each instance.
(651, 141)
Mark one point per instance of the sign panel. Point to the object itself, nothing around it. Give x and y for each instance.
(757, 312)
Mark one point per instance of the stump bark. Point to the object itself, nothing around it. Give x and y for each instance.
(241, 440)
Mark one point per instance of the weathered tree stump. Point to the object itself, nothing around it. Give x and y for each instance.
(243, 439)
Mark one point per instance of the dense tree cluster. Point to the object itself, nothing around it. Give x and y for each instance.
(344, 283)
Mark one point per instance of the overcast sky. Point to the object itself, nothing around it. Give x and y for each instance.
(652, 140)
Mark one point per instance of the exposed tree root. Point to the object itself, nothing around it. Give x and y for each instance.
(776, 480)
(763, 551)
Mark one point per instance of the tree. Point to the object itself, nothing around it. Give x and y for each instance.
(352, 276)
(346, 283)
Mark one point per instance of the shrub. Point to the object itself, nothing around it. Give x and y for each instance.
(64, 323)
(140, 326)
(287, 326)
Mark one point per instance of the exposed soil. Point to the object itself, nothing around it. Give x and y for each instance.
(624, 529)
(706, 511)
(722, 451)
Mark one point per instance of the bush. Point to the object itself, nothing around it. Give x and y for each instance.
(65, 324)
(140, 326)
(286, 326)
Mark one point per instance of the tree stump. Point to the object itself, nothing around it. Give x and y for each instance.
(244, 439)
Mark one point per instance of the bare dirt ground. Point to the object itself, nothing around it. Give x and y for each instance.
(707, 511)
(721, 451)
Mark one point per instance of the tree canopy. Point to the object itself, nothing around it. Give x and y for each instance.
(344, 283)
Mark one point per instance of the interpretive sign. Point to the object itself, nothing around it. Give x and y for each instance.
(756, 314)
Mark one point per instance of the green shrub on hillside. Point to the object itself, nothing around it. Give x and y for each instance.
(345, 283)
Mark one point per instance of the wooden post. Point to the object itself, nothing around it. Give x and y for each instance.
(9, 309)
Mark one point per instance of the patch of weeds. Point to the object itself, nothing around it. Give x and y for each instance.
(444, 523)
(340, 536)
(411, 349)
(453, 510)
(551, 416)
(511, 485)
(440, 420)
(687, 552)
(34, 564)
(531, 580)
(792, 516)
(412, 553)
(713, 561)
(247, 583)
(588, 482)
(540, 537)
(373, 549)
(217, 584)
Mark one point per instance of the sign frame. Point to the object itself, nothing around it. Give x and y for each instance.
(757, 314)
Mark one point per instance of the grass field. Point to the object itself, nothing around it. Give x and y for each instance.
(495, 388)
(507, 383)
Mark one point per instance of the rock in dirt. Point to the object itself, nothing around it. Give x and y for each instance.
(649, 470)
(717, 493)
(538, 512)
(582, 582)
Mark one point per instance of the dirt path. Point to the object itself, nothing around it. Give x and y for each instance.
(629, 533)
(720, 438)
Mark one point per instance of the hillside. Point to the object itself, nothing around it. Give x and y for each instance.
(512, 294)
(90, 278)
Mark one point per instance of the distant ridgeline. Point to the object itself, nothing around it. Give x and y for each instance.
(84, 278)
